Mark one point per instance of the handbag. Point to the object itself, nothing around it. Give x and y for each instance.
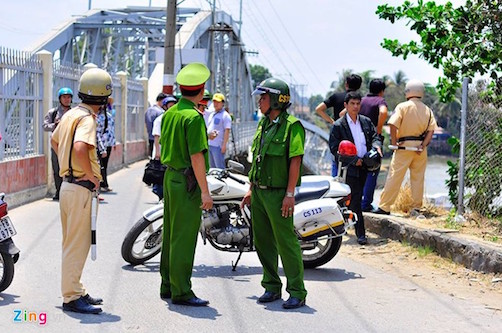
(154, 173)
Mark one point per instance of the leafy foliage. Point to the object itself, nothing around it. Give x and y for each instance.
(463, 41)
(259, 73)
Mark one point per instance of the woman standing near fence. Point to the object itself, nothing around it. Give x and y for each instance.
(105, 132)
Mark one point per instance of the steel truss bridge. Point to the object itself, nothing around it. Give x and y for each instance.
(132, 40)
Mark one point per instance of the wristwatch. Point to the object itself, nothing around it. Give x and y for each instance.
(290, 194)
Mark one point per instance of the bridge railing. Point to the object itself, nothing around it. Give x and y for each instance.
(241, 137)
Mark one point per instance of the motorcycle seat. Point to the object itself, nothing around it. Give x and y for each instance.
(311, 190)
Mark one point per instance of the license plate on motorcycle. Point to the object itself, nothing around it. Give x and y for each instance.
(7, 229)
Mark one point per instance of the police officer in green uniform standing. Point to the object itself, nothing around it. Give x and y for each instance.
(278, 148)
(184, 150)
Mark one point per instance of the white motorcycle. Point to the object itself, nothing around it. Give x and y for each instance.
(321, 218)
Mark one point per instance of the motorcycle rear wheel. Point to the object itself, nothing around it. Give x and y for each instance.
(6, 270)
(324, 251)
(143, 241)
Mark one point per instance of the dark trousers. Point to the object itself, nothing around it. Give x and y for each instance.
(103, 162)
(356, 189)
(150, 148)
(369, 189)
(55, 168)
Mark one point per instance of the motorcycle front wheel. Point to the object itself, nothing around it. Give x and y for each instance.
(6, 270)
(323, 252)
(143, 241)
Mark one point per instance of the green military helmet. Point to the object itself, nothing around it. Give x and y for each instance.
(278, 91)
(207, 95)
(193, 75)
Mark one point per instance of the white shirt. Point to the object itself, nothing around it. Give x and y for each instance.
(220, 121)
(156, 130)
(358, 135)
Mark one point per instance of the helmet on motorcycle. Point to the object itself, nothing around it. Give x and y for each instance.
(65, 91)
(95, 86)
(372, 160)
(414, 88)
(347, 152)
(278, 91)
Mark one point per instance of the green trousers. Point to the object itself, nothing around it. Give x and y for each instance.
(274, 236)
(182, 214)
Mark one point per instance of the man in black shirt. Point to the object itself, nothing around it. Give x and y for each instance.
(336, 101)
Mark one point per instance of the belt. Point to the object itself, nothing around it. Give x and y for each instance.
(84, 183)
(411, 138)
(263, 187)
(170, 168)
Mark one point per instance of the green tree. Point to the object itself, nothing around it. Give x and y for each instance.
(463, 41)
(259, 73)
(314, 101)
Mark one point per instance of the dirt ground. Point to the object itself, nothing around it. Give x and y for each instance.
(428, 270)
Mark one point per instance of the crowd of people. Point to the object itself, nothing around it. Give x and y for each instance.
(189, 133)
(360, 121)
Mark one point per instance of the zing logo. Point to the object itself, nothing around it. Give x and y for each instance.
(21, 316)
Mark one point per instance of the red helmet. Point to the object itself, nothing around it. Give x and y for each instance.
(347, 152)
(347, 148)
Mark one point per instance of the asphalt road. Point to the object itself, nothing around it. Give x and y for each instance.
(344, 295)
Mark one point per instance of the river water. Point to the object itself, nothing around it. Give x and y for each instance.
(435, 176)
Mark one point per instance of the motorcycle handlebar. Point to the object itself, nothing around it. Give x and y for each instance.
(240, 181)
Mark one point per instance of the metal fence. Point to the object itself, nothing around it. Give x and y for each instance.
(65, 75)
(241, 137)
(135, 110)
(481, 170)
(21, 102)
(21, 93)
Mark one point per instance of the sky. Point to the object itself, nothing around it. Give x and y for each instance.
(304, 42)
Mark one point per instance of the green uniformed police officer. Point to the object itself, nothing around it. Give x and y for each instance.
(278, 148)
(183, 146)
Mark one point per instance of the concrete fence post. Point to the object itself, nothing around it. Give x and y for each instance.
(123, 87)
(47, 78)
(144, 82)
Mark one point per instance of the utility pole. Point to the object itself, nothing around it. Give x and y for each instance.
(169, 44)
(212, 67)
(240, 20)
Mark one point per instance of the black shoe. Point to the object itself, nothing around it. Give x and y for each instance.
(293, 303)
(92, 300)
(55, 198)
(362, 240)
(166, 295)
(367, 209)
(380, 211)
(194, 301)
(269, 296)
(81, 306)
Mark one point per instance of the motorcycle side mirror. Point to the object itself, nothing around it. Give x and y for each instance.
(235, 166)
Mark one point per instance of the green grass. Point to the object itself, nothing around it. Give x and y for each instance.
(424, 250)
(450, 220)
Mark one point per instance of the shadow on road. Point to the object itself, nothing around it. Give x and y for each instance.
(330, 274)
(103, 317)
(149, 267)
(203, 312)
(201, 271)
(6, 299)
(276, 306)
